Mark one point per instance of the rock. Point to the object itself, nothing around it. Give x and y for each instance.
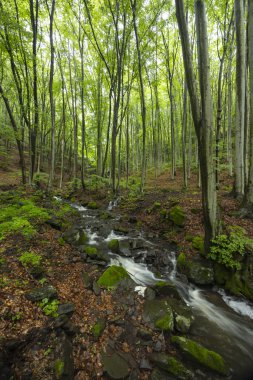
(171, 365)
(144, 334)
(124, 248)
(159, 313)
(92, 205)
(200, 272)
(115, 366)
(113, 245)
(158, 374)
(177, 216)
(145, 364)
(82, 238)
(167, 288)
(54, 223)
(86, 280)
(201, 355)
(96, 288)
(158, 346)
(94, 254)
(64, 362)
(149, 294)
(66, 308)
(98, 328)
(112, 277)
(40, 293)
(182, 324)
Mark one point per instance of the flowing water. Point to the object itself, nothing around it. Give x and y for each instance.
(222, 322)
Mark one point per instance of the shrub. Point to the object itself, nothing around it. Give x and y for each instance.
(50, 308)
(230, 249)
(30, 260)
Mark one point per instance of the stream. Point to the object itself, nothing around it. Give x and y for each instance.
(223, 323)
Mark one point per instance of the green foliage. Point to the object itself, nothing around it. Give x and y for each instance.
(61, 241)
(2, 261)
(91, 251)
(17, 217)
(50, 308)
(20, 225)
(230, 249)
(198, 244)
(113, 245)
(4, 281)
(16, 317)
(96, 182)
(98, 328)
(30, 260)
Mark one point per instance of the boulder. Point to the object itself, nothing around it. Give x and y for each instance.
(159, 314)
(112, 277)
(167, 288)
(171, 365)
(86, 280)
(115, 366)
(66, 309)
(177, 216)
(200, 272)
(182, 323)
(201, 355)
(113, 245)
(94, 254)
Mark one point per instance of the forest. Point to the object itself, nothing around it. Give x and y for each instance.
(126, 189)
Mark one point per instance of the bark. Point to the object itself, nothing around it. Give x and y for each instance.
(240, 97)
(202, 115)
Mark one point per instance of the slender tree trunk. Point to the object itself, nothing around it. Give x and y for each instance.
(202, 116)
(240, 97)
(52, 107)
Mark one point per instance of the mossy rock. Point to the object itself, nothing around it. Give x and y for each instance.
(201, 355)
(171, 365)
(92, 205)
(182, 262)
(113, 245)
(182, 323)
(167, 288)
(198, 244)
(112, 277)
(82, 238)
(177, 216)
(165, 323)
(156, 205)
(91, 251)
(98, 328)
(159, 314)
(122, 229)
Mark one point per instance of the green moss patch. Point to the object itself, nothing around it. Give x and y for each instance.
(92, 205)
(177, 216)
(198, 244)
(113, 245)
(112, 277)
(98, 328)
(201, 355)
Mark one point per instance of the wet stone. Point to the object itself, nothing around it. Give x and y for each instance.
(96, 288)
(115, 366)
(40, 293)
(67, 308)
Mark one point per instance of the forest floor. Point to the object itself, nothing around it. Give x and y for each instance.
(35, 343)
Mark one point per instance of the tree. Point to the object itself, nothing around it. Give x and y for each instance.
(201, 112)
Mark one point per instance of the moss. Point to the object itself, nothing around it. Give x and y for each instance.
(61, 241)
(156, 205)
(176, 368)
(98, 328)
(165, 323)
(59, 368)
(163, 213)
(201, 355)
(92, 205)
(83, 238)
(91, 251)
(177, 216)
(170, 365)
(198, 244)
(122, 229)
(113, 245)
(112, 276)
(182, 262)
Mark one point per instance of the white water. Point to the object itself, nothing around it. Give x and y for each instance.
(93, 236)
(112, 235)
(242, 307)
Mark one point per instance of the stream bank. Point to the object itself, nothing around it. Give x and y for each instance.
(119, 334)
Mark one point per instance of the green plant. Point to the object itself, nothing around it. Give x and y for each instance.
(2, 261)
(229, 249)
(42, 281)
(16, 317)
(30, 260)
(50, 308)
